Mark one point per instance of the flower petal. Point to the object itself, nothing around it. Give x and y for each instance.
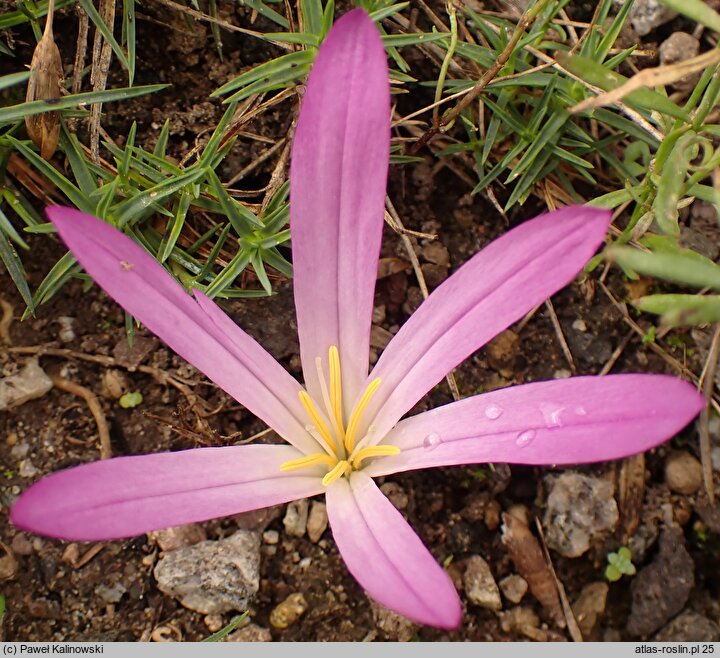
(386, 556)
(137, 282)
(566, 421)
(495, 288)
(338, 177)
(128, 496)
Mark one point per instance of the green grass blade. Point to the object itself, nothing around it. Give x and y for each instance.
(681, 266)
(71, 147)
(697, 10)
(174, 227)
(262, 9)
(129, 37)
(8, 229)
(682, 309)
(15, 269)
(311, 12)
(20, 111)
(257, 262)
(60, 273)
(13, 79)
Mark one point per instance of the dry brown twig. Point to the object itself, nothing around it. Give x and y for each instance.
(707, 383)
(407, 242)
(95, 409)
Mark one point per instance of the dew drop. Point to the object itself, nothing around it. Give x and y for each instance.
(525, 438)
(432, 441)
(580, 411)
(493, 412)
(552, 415)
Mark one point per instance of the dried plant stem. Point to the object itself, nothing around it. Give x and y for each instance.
(95, 409)
(407, 242)
(102, 54)
(526, 20)
(80, 49)
(560, 335)
(707, 381)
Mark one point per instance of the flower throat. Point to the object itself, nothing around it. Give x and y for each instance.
(343, 452)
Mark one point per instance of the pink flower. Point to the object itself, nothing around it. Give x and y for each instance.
(345, 427)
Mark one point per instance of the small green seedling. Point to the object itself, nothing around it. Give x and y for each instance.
(131, 399)
(620, 564)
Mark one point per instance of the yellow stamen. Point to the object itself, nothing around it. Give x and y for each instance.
(316, 419)
(328, 404)
(357, 414)
(305, 462)
(374, 451)
(336, 390)
(341, 468)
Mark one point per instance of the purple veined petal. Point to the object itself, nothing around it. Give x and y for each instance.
(338, 176)
(385, 555)
(128, 496)
(495, 288)
(137, 282)
(567, 421)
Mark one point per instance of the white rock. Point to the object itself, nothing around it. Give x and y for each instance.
(30, 383)
(213, 577)
(296, 517)
(480, 586)
(580, 508)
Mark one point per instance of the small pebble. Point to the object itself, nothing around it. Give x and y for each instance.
(395, 626)
(317, 521)
(396, 494)
(513, 587)
(289, 611)
(21, 545)
(214, 622)
(66, 333)
(678, 47)
(250, 633)
(296, 517)
(170, 539)
(579, 325)
(271, 537)
(683, 473)
(480, 586)
(590, 606)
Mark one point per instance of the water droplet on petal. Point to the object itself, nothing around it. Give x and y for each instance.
(525, 438)
(580, 411)
(551, 414)
(493, 412)
(432, 441)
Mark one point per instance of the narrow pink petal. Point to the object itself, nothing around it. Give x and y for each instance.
(128, 496)
(337, 188)
(386, 556)
(567, 421)
(495, 288)
(137, 282)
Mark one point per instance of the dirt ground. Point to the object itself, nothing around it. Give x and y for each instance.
(61, 591)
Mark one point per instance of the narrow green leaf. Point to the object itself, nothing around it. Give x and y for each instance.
(13, 79)
(175, 227)
(124, 164)
(15, 269)
(63, 270)
(682, 266)
(79, 165)
(682, 309)
(233, 269)
(241, 218)
(311, 12)
(398, 40)
(162, 141)
(135, 208)
(20, 111)
(671, 185)
(129, 36)
(79, 199)
(697, 10)
(8, 229)
(262, 9)
(257, 263)
(301, 38)
(211, 148)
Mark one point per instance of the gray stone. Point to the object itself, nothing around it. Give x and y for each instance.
(660, 590)
(580, 509)
(646, 15)
(250, 633)
(590, 606)
(689, 626)
(111, 593)
(30, 383)
(395, 626)
(296, 517)
(480, 586)
(678, 47)
(213, 577)
(170, 539)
